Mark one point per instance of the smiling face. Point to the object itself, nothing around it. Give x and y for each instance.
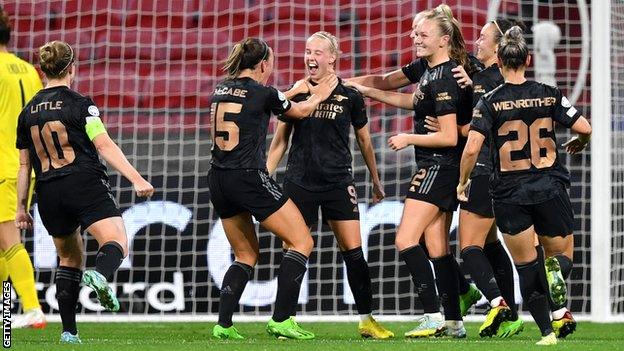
(319, 58)
(486, 44)
(419, 17)
(428, 39)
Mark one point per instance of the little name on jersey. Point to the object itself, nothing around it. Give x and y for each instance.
(15, 68)
(48, 105)
(231, 91)
(327, 111)
(523, 103)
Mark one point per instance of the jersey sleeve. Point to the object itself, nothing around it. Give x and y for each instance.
(415, 70)
(564, 113)
(482, 118)
(22, 141)
(358, 111)
(445, 94)
(88, 117)
(277, 102)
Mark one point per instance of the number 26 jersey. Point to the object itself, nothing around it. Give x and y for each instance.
(520, 120)
(52, 126)
(240, 112)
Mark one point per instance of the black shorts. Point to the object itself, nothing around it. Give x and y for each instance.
(479, 199)
(78, 199)
(436, 185)
(338, 203)
(550, 218)
(244, 190)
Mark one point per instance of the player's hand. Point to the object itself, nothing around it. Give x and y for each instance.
(462, 77)
(398, 142)
(325, 86)
(378, 192)
(143, 188)
(23, 220)
(576, 144)
(301, 86)
(461, 191)
(432, 124)
(359, 87)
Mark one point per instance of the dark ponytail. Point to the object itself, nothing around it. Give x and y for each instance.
(246, 54)
(513, 50)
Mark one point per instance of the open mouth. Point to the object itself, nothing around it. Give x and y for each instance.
(312, 67)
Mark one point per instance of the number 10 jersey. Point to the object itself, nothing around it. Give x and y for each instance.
(520, 120)
(52, 126)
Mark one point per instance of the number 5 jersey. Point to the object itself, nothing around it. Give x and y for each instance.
(55, 127)
(519, 119)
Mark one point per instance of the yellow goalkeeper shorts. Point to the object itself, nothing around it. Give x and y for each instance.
(8, 198)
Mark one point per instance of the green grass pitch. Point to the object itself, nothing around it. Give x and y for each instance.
(330, 336)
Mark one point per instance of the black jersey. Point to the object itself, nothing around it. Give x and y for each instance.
(520, 120)
(320, 156)
(483, 82)
(414, 70)
(438, 94)
(240, 113)
(52, 127)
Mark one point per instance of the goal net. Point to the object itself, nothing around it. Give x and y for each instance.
(151, 66)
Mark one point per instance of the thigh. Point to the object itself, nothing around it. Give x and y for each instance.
(110, 229)
(554, 217)
(9, 235)
(417, 215)
(436, 235)
(8, 199)
(241, 233)
(288, 224)
(90, 198)
(473, 228)
(307, 202)
(340, 204)
(511, 218)
(347, 233)
(521, 246)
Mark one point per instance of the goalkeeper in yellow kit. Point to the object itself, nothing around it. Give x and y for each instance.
(19, 81)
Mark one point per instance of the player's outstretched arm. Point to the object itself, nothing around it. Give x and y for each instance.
(110, 152)
(366, 148)
(578, 143)
(23, 220)
(445, 137)
(279, 145)
(320, 92)
(389, 81)
(400, 100)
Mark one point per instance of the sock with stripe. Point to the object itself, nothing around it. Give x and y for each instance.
(67, 290)
(22, 275)
(291, 272)
(232, 288)
(422, 277)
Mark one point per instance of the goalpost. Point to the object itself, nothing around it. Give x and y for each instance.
(151, 66)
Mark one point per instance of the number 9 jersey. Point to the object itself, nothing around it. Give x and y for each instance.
(519, 119)
(240, 112)
(57, 127)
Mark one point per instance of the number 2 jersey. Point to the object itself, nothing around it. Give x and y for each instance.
(520, 118)
(240, 112)
(52, 127)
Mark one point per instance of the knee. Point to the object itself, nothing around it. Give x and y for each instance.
(304, 246)
(247, 257)
(403, 241)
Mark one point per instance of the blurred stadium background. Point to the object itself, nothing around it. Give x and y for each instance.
(151, 66)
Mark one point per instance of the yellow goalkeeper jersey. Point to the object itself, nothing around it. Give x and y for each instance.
(19, 82)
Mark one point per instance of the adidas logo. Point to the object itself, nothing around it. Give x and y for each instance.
(412, 188)
(355, 209)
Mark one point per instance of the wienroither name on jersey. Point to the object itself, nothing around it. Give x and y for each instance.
(320, 154)
(52, 127)
(438, 94)
(520, 120)
(240, 112)
(483, 82)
